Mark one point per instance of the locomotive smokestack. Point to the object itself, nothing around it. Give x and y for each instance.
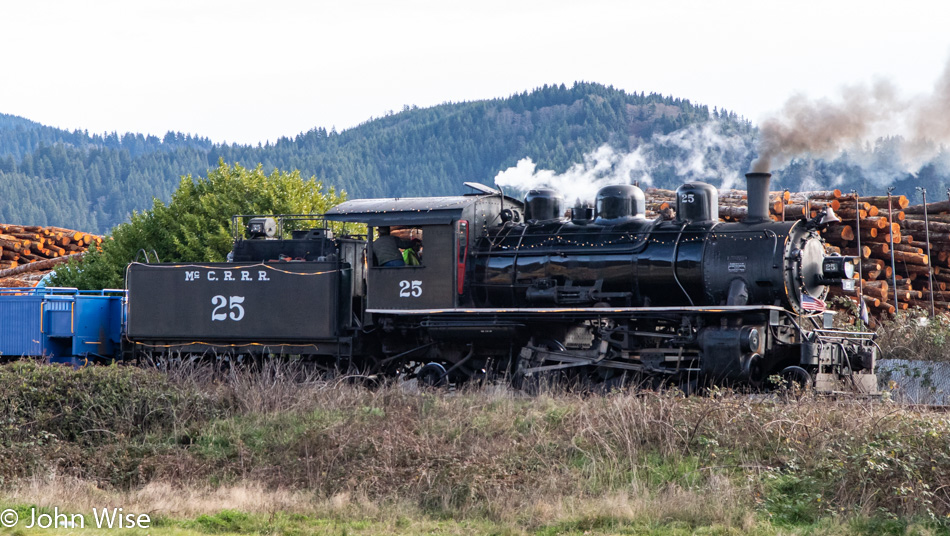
(758, 196)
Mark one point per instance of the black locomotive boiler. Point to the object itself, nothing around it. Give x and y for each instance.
(512, 289)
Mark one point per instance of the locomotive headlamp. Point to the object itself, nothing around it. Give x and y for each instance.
(835, 268)
(261, 228)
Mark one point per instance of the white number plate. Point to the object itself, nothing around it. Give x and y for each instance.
(410, 289)
(225, 308)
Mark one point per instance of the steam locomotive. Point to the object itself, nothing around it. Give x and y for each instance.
(514, 289)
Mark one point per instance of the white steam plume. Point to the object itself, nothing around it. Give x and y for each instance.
(600, 168)
(698, 152)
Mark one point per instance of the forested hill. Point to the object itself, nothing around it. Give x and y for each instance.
(92, 182)
(433, 150)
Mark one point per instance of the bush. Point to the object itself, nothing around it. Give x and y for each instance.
(91, 406)
(195, 226)
(914, 335)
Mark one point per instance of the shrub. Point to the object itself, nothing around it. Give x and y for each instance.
(195, 226)
(913, 334)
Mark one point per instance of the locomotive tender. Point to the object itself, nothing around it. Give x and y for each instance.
(514, 289)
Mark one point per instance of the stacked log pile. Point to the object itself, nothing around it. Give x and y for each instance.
(732, 204)
(899, 232)
(25, 246)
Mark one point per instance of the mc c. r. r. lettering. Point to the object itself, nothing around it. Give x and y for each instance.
(226, 275)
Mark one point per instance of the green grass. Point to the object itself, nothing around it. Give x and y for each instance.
(229, 522)
(224, 439)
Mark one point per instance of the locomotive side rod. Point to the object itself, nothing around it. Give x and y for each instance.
(574, 362)
(625, 366)
(569, 361)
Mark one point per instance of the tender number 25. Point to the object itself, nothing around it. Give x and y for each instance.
(233, 303)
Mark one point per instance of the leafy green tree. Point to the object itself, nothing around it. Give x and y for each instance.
(195, 226)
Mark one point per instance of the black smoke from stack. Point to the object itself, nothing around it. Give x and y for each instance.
(823, 128)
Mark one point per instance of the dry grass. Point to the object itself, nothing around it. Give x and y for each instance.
(157, 497)
(636, 506)
(286, 441)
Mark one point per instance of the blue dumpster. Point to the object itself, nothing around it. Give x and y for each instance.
(62, 325)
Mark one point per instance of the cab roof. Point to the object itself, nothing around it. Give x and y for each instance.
(403, 210)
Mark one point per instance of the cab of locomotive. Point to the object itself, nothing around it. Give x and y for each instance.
(447, 227)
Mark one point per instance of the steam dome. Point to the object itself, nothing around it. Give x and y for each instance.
(620, 202)
(542, 204)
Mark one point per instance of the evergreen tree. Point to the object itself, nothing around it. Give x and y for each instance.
(428, 151)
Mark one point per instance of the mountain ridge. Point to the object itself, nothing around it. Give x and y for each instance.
(94, 181)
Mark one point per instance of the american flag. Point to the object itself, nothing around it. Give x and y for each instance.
(812, 304)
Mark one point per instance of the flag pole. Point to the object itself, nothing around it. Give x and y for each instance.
(890, 219)
(930, 270)
(857, 221)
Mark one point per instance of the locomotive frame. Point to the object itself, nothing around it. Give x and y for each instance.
(512, 289)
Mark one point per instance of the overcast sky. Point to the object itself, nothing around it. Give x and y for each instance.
(251, 71)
